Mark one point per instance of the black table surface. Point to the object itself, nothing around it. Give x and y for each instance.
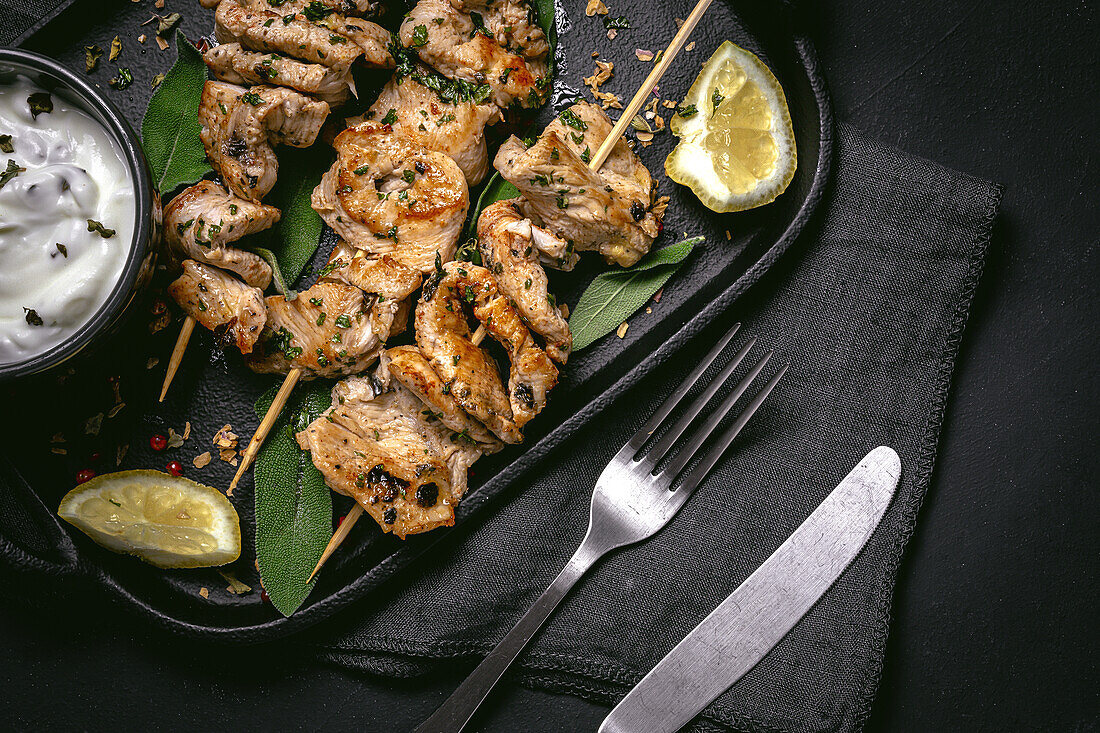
(995, 618)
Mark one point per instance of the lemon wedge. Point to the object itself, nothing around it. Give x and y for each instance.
(736, 148)
(167, 521)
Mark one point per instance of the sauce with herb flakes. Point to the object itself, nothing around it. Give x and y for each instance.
(67, 216)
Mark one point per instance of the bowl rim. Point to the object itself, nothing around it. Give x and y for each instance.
(145, 199)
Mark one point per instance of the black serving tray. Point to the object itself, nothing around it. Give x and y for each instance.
(213, 389)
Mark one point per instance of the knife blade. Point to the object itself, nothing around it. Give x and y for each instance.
(759, 613)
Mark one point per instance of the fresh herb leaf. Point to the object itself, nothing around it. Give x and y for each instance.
(390, 118)
(615, 294)
(497, 189)
(277, 278)
(10, 172)
(167, 23)
(317, 11)
(157, 80)
(252, 98)
(419, 36)
(293, 504)
(570, 118)
(5, 144)
(620, 22)
(716, 98)
(92, 55)
(170, 130)
(294, 239)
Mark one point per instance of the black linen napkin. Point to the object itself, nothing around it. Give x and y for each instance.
(869, 310)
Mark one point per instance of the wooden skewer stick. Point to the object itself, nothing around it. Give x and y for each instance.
(597, 160)
(639, 99)
(177, 354)
(265, 425)
(352, 516)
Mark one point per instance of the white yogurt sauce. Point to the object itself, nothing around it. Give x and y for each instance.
(75, 171)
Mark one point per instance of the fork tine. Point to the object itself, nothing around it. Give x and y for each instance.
(661, 448)
(697, 474)
(688, 451)
(674, 399)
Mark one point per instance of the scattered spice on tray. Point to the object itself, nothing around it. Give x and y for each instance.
(225, 440)
(59, 451)
(204, 592)
(153, 361)
(611, 33)
(643, 55)
(595, 7)
(92, 55)
(116, 48)
(603, 72)
(93, 424)
(621, 330)
(175, 440)
(121, 453)
(202, 460)
(236, 587)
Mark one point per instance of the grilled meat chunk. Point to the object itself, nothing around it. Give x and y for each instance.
(383, 276)
(418, 114)
(372, 38)
(483, 43)
(390, 196)
(268, 31)
(509, 249)
(235, 64)
(203, 219)
(232, 310)
(327, 331)
(609, 211)
(377, 445)
(362, 8)
(409, 367)
(240, 126)
(443, 335)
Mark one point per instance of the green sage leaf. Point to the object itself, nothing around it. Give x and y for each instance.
(294, 239)
(616, 294)
(170, 128)
(496, 189)
(293, 504)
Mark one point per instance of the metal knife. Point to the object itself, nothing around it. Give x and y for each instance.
(752, 620)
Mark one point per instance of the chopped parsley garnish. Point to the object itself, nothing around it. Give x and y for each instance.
(419, 36)
(586, 156)
(562, 203)
(123, 80)
(32, 317)
(333, 38)
(335, 264)
(184, 226)
(577, 137)
(390, 118)
(317, 302)
(479, 26)
(252, 98)
(317, 10)
(5, 144)
(321, 318)
(541, 180)
(716, 98)
(409, 176)
(362, 169)
(570, 118)
(554, 155)
(233, 209)
(688, 110)
(621, 22)
(343, 321)
(62, 249)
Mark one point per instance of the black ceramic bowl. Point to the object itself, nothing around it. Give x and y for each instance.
(55, 78)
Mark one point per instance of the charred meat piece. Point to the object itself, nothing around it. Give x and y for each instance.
(609, 211)
(418, 114)
(509, 248)
(234, 311)
(240, 125)
(329, 330)
(270, 31)
(203, 219)
(443, 335)
(409, 367)
(377, 445)
(235, 64)
(390, 196)
(491, 44)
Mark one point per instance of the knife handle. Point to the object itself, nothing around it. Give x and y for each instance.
(453, 715)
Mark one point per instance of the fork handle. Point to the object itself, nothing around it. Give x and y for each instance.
(453, 715)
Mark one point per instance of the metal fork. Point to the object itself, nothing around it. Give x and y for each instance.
(630, 503)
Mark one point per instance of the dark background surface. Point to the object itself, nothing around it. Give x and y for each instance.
(995, 615)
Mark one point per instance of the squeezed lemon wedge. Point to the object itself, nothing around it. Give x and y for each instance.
(165, 520)
(736, 148)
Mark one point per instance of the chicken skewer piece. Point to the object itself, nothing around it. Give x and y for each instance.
(356, 511)
(597, 160)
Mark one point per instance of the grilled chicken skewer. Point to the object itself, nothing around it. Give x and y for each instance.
(597, 160)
